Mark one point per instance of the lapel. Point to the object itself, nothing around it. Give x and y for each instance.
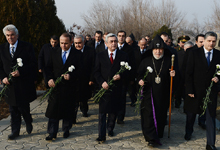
(107, 58)
(18, 50)
(59, 56)
(214, 58)
(203, 58)
(117, 57)
(7, 52)
(68, 58)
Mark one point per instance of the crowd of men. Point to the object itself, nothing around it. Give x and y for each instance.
(96, 61)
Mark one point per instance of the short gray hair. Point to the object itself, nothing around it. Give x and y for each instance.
(79, 37)
(10, 27)
(189, 43)
(110, 35)
(210, 33)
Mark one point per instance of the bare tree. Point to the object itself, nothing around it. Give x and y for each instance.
(139, 17)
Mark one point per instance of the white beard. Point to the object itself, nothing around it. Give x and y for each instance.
(157, 58)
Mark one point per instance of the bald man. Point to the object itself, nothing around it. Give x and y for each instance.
(129, 41)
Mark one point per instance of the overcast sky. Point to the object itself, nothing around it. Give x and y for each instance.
(70, 11)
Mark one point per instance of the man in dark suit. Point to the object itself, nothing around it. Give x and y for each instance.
(86, 79)
(123, 46)
(21, 90)
(102, 46)
(106, 66)
(61, 103)
(199, 43)
(201, 66)
(97, 41)
(139, 54)
(44, 55)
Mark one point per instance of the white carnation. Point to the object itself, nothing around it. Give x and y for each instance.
(149, 69)
(70, 69)
(218, 66)
(122, 63)
(19, 60)
(126, 64)
(218, 73)
(129, 67)
(20, 64)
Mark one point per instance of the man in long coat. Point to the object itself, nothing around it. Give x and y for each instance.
(156, 91)
(61, 103)
(200, 68)
(106, 66)
(21, 90)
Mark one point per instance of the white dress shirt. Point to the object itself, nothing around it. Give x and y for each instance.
(120, 46)
(206, 53)
(15, 46)
(114, 54)
(67, 53)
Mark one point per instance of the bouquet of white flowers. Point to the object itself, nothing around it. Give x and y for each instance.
(140, 92)
(58, 80)
(98, 96)
(19, 64)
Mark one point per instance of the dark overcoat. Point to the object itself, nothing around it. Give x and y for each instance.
(197, 80)
(61, 102)
(104, 71)
(87, 60)
(22, 89)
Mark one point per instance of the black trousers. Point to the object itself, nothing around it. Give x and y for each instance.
(83, 107)
(53, 125)
(122, 111)
(16, 112)
(102, 123)
(210, 126)
(132, 91)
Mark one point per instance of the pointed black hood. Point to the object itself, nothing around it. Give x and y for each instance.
(157, 43)
(132, 36)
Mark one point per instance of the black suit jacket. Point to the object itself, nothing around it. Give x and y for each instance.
(92, 43)
(138, 57)
(198, 79)
(104, 71)
(87, 61)
(100, 48)
(22, 89)
(129, 50)
(62, 100)
(44, 55)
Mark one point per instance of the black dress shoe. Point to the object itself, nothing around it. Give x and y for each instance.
(29, 128)
(66, 134)
(13, 136)
(85, 115)
(187, 137)
(51, 137)
(100, 140)
(211, 147)
(202, 125)
(110, 133)
(151, 143)
(120, 122)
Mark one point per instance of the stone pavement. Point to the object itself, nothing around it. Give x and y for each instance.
(83, 134)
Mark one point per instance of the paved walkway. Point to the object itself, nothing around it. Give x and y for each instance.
(82, 136)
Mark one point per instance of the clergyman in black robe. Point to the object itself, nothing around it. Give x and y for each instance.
(156, 90)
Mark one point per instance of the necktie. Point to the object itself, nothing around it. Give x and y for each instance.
(208, 58)
(120, 47)
(64, 57)
(12, 51)
(111, 58)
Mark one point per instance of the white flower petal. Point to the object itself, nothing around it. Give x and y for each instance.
(218, 66)
(122, 63)
(19, 60)
(218, 73)
(20, 64)
(70, 69)
(150, 69)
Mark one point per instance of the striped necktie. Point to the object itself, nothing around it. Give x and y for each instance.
(12, 51)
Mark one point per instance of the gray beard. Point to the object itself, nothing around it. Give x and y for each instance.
(159, 57)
